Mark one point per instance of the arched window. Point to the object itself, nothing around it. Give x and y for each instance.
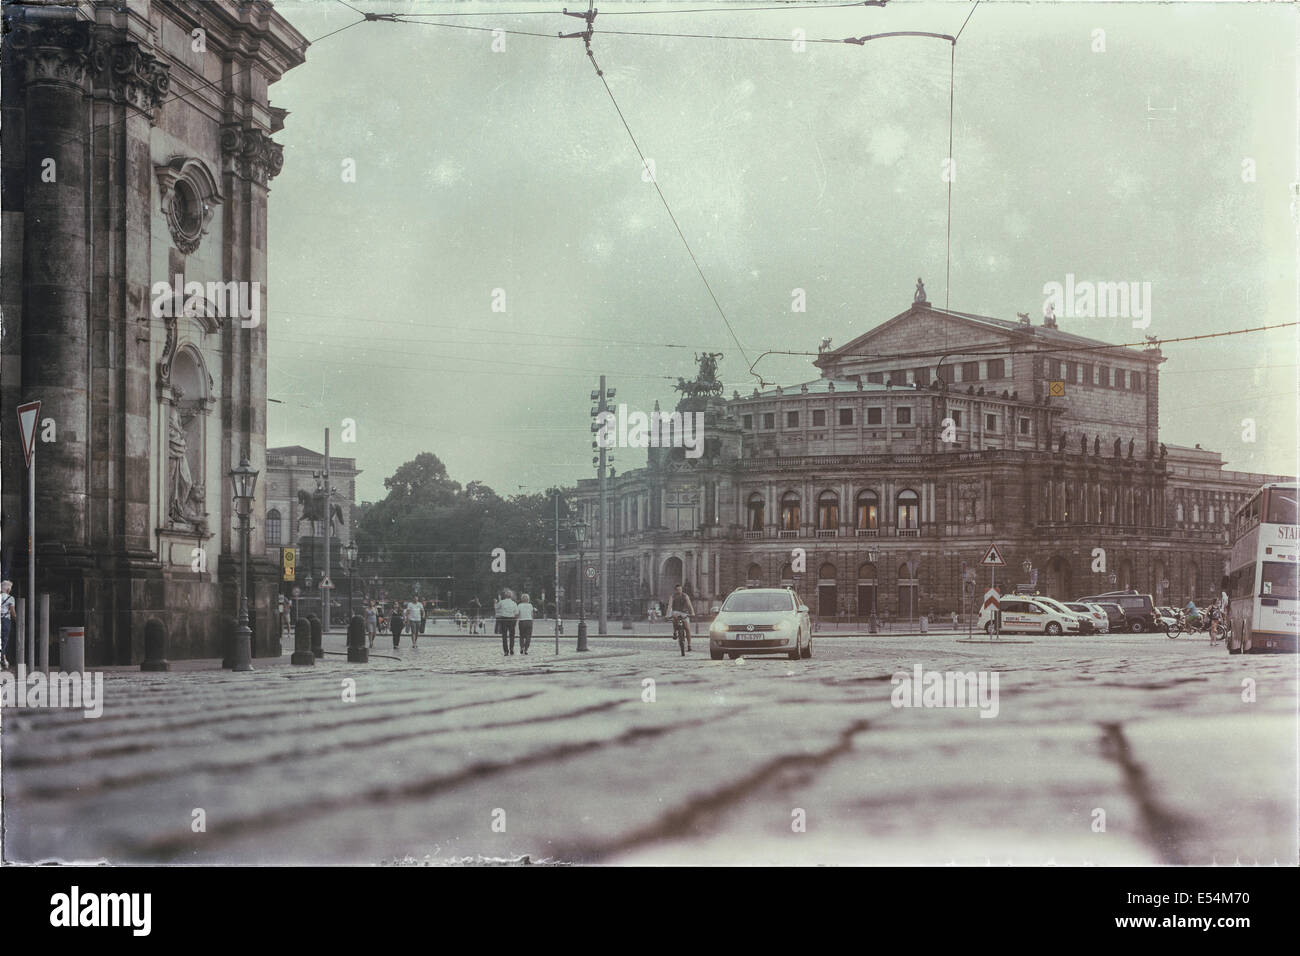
(787, 576)
(1196, 514)
(754, 576)
(755, 507)
(868, 518)
(789, 511)
(273, 527)
(828, 511)
(909, 506)
(1178, 511)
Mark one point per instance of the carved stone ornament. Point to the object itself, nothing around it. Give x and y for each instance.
(79, 53)
(251, 153)
(189, 199)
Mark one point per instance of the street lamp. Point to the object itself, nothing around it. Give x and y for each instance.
(243, 480)
(351, 552)
(580, 536)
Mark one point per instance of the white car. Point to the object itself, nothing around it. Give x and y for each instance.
(761, 621)
(1092, 613)
(1031, 615)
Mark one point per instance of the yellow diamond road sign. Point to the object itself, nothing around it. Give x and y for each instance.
(1056, 389)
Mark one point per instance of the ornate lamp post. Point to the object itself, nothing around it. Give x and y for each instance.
(1030, 577)
(351, 552)
(580, 536)
(243, 480)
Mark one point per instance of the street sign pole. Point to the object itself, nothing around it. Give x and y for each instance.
(28, 414)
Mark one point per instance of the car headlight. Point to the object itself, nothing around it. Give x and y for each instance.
(717, 627)
(785, 626)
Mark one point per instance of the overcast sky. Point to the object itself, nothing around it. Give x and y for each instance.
(819, 170)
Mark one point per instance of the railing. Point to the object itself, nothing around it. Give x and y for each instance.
(868, 532)
(827, 533)
(787, 534)
(753, 535)
(909, 532)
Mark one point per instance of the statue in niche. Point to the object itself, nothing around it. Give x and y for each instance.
(1130, 448)
(1116, 447)
(1083, 444)
(186, 497)
(1096, 447)
(1060, 444)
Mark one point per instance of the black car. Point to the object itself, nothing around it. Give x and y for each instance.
(1139, 609)
(1115, 614)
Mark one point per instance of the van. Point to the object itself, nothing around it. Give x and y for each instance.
(1030, 616)
(1139, 609)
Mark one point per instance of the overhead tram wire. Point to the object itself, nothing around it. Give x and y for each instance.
(666, 12)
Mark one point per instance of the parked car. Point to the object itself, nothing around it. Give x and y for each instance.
(1139, 609)
(1032, 615)
(761, 621)
(1094, 618)
(1115, 615)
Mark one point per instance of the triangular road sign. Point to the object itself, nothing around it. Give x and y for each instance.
(27, 416)
(993, 557)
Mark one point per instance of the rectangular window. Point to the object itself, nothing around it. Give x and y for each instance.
(990, 423)
(1103, 375)
(970, 371)
(819, 417)
(769, 420)
(874, 416)
(955, 415)
(877, 378)
(1085, 375)
(1136, 379)
(898, 377)
(921, 375)
(846, 416)
(747, 422)
(997, 368)
(791, 419)
(1024, 426)
(903, 416)
(1067, 371)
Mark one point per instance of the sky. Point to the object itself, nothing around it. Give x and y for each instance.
(463, 239)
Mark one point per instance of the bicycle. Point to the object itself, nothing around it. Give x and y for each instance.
(1181, 624)
(679, 632)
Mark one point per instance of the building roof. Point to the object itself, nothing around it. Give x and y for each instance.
(298, 451)
(1024, 333)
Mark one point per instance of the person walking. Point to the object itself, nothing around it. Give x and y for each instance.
(372, 622)
(8, 620)
(414, 615)
(525, 623)
(395, 620)
(506, 613)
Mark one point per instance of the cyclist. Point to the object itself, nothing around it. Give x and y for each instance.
(679, 605)
(1192, 613)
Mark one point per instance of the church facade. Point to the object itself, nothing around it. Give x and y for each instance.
(878, 487)
(137, 156)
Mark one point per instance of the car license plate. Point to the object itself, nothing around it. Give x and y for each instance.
(747, 636)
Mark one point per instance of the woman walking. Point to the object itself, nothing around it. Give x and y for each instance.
(507, 611)
(525, 613)
(395, 619)
(372, 622)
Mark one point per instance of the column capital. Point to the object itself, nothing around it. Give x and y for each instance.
(250, 153)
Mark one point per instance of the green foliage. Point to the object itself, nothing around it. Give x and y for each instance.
(430, 529)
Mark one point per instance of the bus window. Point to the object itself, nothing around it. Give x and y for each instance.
(1280, 580)
(1281, 506)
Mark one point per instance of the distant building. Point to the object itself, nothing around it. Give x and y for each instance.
(134, 155)
(291, 470)
(891, 474)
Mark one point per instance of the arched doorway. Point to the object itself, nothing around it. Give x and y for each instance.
(1124, 573)
(909, 584)
(1059, 579)
(1191, 580)
(827, 591)
(670, 575)
(866, 589)
(1158, 574)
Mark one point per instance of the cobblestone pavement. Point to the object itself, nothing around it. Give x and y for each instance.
(452, 752)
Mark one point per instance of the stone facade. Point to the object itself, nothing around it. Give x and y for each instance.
(893, 475)
(137, 149)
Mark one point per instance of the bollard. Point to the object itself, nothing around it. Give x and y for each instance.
(317, 647)
(357, 651)
(302, 653)
(873, 624)
(925, 624)
(155, 646)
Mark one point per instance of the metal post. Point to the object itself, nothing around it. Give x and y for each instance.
(582, 602)
(601, 581)
(30, 625)
(243, 634)
(325, 591)
(43, 652)
(557, 571)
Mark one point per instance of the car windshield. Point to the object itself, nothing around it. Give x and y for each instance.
(758, 601)
(1049, 603)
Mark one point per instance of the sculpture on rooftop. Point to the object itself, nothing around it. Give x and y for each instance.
(919, 295)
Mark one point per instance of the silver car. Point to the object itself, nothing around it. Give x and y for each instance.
(761, 621)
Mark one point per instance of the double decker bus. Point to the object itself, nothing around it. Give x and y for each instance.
(1264, 572)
